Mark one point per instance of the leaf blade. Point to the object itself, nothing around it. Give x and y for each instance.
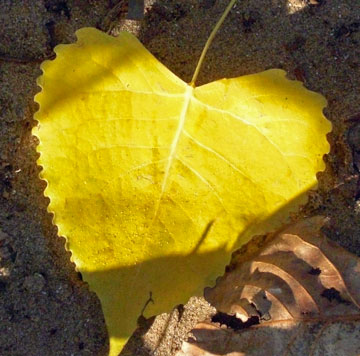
(144, 178)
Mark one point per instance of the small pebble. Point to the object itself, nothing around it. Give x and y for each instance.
(34, 283)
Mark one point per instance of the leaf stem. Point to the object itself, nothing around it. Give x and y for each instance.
(209, 41)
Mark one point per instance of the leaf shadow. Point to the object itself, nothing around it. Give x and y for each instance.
(198, 262)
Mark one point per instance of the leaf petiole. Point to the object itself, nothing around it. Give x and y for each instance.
(209, 41)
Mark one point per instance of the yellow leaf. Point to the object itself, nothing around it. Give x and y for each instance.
(154, 182)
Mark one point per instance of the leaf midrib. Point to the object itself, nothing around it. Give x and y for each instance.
(174, 144)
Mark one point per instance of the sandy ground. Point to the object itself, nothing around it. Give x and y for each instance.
(45, 308)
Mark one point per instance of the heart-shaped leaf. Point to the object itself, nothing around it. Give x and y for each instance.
(153, 181)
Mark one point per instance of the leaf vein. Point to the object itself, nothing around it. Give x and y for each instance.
(174, 145)
(132, 91)
(205, 181)
(224, 159)
(184, 211)
(140, 166)
(237, 117)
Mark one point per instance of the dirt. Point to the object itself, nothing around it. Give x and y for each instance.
(45, 307)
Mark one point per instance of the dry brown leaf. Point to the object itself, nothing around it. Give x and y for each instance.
(301, 290)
